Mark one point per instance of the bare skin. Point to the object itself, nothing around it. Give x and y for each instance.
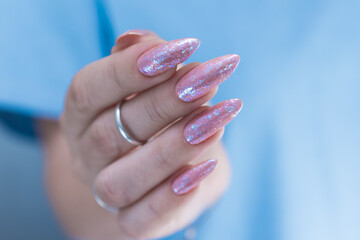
(85, 147)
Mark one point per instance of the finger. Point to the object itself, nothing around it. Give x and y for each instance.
(128, 179)
(151, 111)
(111, 79)
(146, 114)
(160, 209)
(131, 37)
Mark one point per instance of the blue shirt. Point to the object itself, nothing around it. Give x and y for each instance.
(294, 148)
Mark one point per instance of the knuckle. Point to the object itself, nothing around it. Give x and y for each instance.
(103, 137)
(137, 228)
(124, 196)
(132, 231)
(111, 194)
(156, 111)
(162, 159)
(106, 189)
(155, 208)
(79, 96)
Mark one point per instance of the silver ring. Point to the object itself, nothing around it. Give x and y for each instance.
(120, 126)
(101, 203)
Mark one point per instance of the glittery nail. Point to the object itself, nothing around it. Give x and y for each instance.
(212, 120)
(192, 177)
(205, 77)
(166, 55)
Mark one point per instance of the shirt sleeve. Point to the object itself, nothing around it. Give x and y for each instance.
(43, 44)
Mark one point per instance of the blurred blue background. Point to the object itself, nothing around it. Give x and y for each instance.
(24, 210)
(294, 147)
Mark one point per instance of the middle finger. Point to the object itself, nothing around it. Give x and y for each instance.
(149, 112)
(128, 179)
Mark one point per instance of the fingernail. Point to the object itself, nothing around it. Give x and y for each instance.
(127, 39)
(205, 77)
(166, 55)
(135, 32)
(192, 178)
(212, 120)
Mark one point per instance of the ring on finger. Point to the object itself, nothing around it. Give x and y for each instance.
(101, 203)
(120, 126)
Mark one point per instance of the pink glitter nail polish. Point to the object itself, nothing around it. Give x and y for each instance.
(212, 120)
(192, 177)
(206, 76)
(166, 55)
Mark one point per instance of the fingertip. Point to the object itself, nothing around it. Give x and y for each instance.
(191, 178)
(130, 38)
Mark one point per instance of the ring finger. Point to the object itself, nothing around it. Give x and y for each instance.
(128, 179)
(146, 114)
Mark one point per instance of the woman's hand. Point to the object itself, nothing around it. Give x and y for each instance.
(149, 184)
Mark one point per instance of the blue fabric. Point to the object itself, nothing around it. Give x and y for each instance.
(295, 146)
(43, 44)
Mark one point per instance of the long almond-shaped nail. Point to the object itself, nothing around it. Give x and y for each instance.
(212, 120)
(166, 55)
(205, 77)
(192, 177)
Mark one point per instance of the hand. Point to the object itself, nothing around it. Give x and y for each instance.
(147, 182)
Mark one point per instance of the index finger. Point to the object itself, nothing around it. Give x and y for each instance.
(106, 82)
